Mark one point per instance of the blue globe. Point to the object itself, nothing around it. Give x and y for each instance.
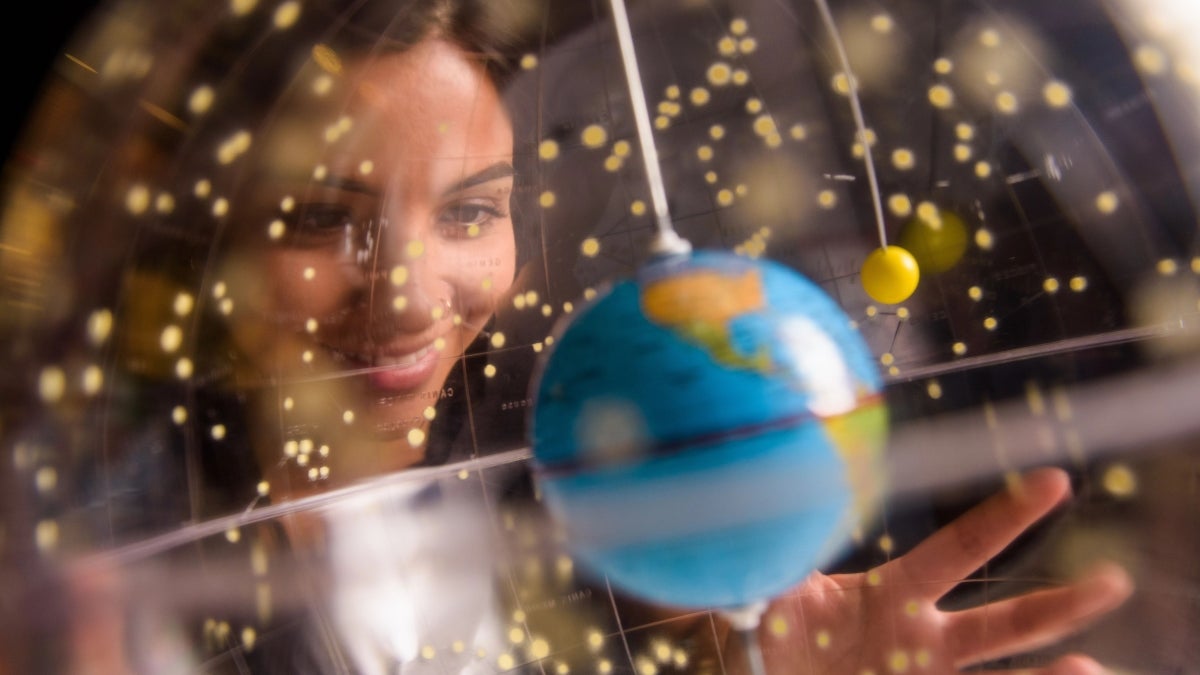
(709, 431)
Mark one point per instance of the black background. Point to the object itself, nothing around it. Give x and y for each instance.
(33, 39)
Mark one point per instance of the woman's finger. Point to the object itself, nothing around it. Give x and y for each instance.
(1034, 620)
(952, 553)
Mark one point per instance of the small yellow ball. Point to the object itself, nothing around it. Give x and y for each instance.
(938, 242)
(890, 275)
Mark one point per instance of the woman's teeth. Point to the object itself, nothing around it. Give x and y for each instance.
(381, 361)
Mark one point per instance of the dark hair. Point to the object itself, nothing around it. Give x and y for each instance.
(255, 83)
(271, 85)
(479, 27)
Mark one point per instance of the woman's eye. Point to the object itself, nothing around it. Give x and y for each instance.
(323, 218)
(324, 224)
(467, 213)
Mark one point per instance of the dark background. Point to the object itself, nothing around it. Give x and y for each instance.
(34, 39)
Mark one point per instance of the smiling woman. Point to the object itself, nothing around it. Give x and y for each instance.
(275, 274)
(357, 220)
(377, 244)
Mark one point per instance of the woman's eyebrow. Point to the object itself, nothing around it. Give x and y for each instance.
(349, 184)
(327, 181)
(497, 170)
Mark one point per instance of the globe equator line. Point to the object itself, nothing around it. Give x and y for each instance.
(561, 469)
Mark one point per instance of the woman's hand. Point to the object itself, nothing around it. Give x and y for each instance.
(887, 620)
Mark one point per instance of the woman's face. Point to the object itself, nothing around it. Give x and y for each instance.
(395, 246)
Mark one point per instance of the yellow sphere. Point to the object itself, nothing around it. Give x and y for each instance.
(890, 275)
(936, 238)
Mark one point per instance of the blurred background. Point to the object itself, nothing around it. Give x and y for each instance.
(45, 31)
(1039, 159)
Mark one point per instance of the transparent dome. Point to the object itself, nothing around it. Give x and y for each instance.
(277, 276)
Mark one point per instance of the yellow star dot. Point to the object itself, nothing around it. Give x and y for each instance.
(1006, 102)
(841, 84)
(1150, 60)
(286, 14)
(1120, 481)
(900, 205)
(594, 136)
(941, 96)
(719, 74)
(1107, 202)
(1057, 94)
(778, 626)
(984, 239)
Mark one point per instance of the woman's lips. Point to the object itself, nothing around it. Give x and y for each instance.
(402, 373)
(392, 374)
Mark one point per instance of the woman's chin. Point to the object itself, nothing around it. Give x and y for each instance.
(398, 428)
(402, 410)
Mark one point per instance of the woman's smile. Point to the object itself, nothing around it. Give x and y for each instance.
(392, 370)
(401, 373)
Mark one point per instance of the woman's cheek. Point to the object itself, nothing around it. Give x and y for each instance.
(303, 285)
(502, 272)
(482, 272)
(507, 271)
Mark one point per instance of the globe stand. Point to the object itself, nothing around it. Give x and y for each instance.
(745, 622)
